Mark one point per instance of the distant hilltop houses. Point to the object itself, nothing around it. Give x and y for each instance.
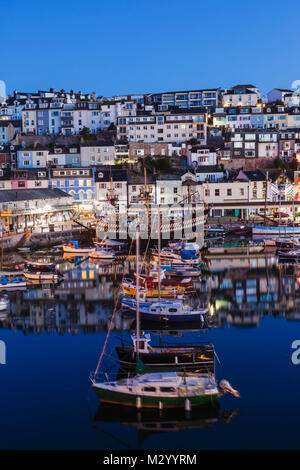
(202, 145)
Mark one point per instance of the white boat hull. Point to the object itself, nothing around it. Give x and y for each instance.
(77, 251)
(279, 231)
(99, 255)
(41, 276)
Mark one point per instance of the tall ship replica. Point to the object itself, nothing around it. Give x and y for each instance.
(118, 219)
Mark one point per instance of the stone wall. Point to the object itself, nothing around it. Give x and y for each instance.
(248, 163)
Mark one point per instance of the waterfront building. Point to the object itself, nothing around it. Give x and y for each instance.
(77, 182)
(27, 208)
(282, 186)
(110, 187)
(138, 192)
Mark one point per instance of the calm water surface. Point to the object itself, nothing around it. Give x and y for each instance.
(54, 336)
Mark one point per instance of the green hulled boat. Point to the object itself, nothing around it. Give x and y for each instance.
(160, 390)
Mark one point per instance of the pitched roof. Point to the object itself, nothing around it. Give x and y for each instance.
(11, 195)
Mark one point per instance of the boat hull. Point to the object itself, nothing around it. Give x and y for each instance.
(100, 256)
(41, 277)
(77, 251)
(126, 399)
(166, 359)
(13, 286)
(172, 318)
(275, 231)
(153, 293)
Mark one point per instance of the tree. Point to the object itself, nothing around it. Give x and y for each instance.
(85, 132)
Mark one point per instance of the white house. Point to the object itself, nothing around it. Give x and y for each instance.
(100, 153)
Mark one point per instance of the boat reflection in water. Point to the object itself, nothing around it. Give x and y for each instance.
(155, 422)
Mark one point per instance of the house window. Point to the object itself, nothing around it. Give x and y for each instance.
(229, 192)
(217, 192)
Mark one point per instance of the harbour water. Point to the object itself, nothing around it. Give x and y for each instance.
(53, 337)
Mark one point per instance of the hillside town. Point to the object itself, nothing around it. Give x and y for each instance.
(229, 149)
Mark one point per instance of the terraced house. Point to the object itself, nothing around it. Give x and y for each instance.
(77, 182)
(177, 125)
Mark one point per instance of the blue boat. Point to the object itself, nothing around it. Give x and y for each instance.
(10, 284)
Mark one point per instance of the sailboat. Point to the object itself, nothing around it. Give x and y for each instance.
(174, 357)
(166, 311)
(160, 390)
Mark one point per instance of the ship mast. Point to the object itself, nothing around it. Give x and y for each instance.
(138, 333)
(159, 248)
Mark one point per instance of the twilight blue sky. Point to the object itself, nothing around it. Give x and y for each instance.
(135, 46)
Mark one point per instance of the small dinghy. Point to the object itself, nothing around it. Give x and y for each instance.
(101, 254)
(73, 248)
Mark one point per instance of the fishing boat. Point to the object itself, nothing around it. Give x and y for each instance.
(11, 283)
(73, 247)
(175, 357)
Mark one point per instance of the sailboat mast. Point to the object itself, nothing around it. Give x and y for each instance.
(293, 220)
(138, 333)
(159, 248)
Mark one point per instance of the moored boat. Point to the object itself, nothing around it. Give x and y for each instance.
(175, 357)
(4, 302)
(14, 283)
(73, 247)
(159, 390)
(101, 254)
(166, 311)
